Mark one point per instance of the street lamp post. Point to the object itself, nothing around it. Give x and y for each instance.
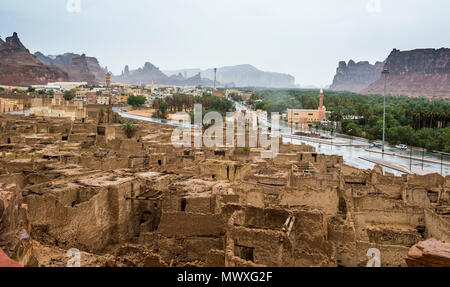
(423, 155)
(351, 137)
(442, 154)
(385, 73)
(410, 159)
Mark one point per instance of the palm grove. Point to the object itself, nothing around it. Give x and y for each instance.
(418, 122)
(185, 103)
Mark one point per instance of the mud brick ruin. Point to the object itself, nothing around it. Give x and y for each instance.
(141, 202)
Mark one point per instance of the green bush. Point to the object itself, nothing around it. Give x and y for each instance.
(136, 101)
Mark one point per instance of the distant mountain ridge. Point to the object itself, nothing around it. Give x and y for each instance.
(149, 74)
(19, 67)
(242, 76)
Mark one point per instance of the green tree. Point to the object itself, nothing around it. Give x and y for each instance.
(129, 128)
(136, 101)
(163, 110)
(69, 95)
(101, 115)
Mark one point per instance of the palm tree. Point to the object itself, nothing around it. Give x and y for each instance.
(129, 128)
(101, 115)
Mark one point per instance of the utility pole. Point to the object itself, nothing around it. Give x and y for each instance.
(442, 154)
(423, 155)
(215, 78)
(385, 73)
(410, 160)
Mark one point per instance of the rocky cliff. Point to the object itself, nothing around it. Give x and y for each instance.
(429, 253)
(19, 67)
(150, 73)
(242, 76)
(79, 71)
(355, 77)
(421, 72)
(79, 67)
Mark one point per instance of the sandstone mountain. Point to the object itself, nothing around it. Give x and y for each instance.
(150, 73)
(421, 72)
(356, 77)
(19, 67)
(243, 76)
(80, 68)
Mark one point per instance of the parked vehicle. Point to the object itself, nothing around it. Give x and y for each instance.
(402, 147)
(377, 144)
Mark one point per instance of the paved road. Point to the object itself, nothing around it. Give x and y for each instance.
(352, 153)
(356, 149)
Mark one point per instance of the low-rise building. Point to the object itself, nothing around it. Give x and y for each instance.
(91, 98)
(58, 107)
(60, 86)
(305, 117)
(119, 99)
(10, 105)
(103, 100)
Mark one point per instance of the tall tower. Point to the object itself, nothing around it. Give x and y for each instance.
(321, 99)
(215, 78)
(108, 79)
(322, 109)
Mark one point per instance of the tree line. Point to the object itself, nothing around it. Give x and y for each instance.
(185, 103)
(414, 121)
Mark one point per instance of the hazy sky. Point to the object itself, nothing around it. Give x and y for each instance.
(303, 38)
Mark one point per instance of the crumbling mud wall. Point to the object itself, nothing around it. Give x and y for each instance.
(15, 226)
(140, 201)
(88, 214)
(277, 237)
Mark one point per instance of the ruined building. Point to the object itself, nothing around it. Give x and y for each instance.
(140, 201)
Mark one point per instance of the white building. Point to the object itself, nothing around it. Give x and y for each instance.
(103, 100)
(60, 86)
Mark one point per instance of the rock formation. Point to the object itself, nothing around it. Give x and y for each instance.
(178, 77)
(150, 73)
(80, 68)
(5, 261)
(429, 253)
(15, 228)
(19, 67)
(144, 75)
(355, 77)
(126, 71)
(421, 72)
(243, 76)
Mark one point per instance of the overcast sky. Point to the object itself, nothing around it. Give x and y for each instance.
(305, 38)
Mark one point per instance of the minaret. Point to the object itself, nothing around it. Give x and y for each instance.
(153, 86)
(108, 79)
(322, 109)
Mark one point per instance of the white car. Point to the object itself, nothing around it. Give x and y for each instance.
(402, 147)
